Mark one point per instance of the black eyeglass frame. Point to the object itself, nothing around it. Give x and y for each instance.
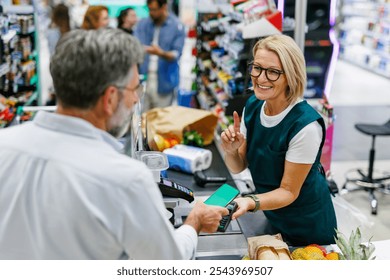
(250, 67)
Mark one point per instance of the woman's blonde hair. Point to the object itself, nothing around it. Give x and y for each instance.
(91, 17)
(292, 59)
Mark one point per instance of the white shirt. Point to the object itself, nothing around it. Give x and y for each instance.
(303, 147)
(153, 60)
(66, 192)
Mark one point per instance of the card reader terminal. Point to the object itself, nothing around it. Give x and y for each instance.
(224, 223)
(173, 189)
(223, 197)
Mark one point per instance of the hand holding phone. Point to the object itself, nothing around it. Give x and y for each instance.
(224, 196)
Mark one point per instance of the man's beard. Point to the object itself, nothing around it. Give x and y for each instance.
(119, 123)
(156, 20)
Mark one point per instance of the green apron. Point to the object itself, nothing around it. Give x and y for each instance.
(311, 217)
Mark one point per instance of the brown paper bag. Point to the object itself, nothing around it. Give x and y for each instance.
(268, 247)
(174, 120)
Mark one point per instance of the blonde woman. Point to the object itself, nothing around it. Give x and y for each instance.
(280, 139)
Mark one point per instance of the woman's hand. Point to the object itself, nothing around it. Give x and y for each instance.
(232, 138)
(244, 205)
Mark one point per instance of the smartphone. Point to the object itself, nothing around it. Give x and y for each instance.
(222, 196)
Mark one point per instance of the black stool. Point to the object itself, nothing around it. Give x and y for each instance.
(369, 181)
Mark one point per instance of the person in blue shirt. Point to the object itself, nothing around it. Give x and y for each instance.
(280, 140)
(60, 24)
(162, 35)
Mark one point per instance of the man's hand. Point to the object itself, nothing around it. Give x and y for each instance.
(231, 137)
(154, 49)
(205, 218)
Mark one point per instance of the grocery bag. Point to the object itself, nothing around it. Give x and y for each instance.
(173, 121)
(349, 218)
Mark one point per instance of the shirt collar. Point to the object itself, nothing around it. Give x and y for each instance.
(166, 21)
(75, 126)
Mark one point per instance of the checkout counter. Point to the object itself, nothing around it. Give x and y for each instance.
(231, 244)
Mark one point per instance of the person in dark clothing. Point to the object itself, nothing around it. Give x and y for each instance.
(127, 19)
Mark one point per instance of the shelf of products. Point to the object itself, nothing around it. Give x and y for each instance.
(18, 61)
(364, 34)
(224, 48)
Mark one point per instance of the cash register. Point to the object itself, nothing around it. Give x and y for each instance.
(135, 146)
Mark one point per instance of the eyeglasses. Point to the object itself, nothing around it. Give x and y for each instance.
(139, 90)
(271, 73)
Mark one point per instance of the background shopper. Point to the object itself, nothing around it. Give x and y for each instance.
(163, 36)
(74, 195)
(95, 17)
(280, 140)
(127, 18)
(60, 24)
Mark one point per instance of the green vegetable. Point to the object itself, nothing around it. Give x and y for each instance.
(193, 138)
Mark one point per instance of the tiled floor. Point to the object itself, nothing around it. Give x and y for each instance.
(360, 96)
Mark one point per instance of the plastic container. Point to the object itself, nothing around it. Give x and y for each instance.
(155, 161)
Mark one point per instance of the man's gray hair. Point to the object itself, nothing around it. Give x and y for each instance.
(86, 62)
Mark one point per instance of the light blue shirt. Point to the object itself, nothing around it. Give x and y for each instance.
(171, 38)
(53, 35)
(66, 192)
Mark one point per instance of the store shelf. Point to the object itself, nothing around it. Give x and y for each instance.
(8, 36)
(19, 70)
(18, 9)
(33, 99)
(4, 69)
(364, 35)
(223, 54)
(29, 31)
(383, 73)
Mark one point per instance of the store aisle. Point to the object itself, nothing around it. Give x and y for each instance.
(354, 86)
(361, 96)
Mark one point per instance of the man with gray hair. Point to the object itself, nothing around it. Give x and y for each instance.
(67, 192)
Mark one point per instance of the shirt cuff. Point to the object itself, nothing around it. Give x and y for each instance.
(175, 53)
(188, 240)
